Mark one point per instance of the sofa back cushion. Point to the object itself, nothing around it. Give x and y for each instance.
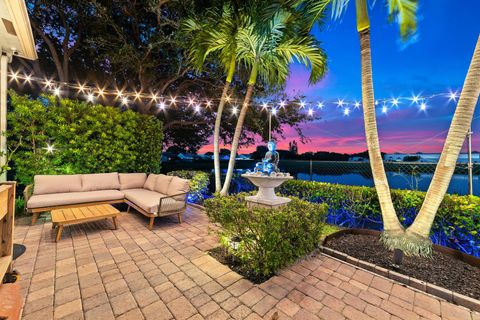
(46, 184)
(178, 185)
(150, 182)
(132, 180)
(100, 181)
(162, 183)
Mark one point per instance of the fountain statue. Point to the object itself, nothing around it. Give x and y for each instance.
(267, 176)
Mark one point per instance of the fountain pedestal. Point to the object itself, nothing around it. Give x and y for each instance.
(266, 197)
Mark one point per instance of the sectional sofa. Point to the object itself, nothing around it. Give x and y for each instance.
(154, 195)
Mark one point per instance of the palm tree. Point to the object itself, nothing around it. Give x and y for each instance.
(216, 33)
(403, 11)
(268, 49)
(417, 235)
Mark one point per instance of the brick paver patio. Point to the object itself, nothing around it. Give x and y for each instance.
(134, 273)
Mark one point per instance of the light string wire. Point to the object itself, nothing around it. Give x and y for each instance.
(126, 98)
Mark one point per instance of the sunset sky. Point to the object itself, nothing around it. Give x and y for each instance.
(434, 61)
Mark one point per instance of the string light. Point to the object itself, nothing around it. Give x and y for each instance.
(50, 148)
(161, 105)
(415, 99)
(234, 110)
(423, 106)
(274, 111)
(452, 96)
(126, 97)
(310, 112)
(395, 102)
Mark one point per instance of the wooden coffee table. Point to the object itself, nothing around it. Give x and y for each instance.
(71, 216)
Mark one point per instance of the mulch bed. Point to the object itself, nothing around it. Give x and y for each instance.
(221, 255)
(442, 270)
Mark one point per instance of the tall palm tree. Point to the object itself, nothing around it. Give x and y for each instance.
(268, 49)
(417, 235)
(404, 13)
(216, 33)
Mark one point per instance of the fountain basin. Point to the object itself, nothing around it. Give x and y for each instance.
(266, 197)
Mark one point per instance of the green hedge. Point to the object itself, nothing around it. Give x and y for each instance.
(199, 182)
(267, 240)
(86, 138)
(456, 224)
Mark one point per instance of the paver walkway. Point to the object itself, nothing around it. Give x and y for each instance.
(134, 273)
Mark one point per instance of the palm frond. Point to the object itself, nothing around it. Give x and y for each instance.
(404, 12)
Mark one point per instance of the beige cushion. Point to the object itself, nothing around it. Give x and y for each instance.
(61, 199)
(162, 182)
(149, 200)
(178, 185)
(150, 183)
(132, 180)
(100, 181)
(46, 184)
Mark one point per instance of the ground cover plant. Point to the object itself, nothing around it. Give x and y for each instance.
(456, 224)
(64, 136)
(262, 241)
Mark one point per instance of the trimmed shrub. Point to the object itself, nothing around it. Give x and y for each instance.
(266, 240)
(199, 182)
(84, 138)
(456, 224)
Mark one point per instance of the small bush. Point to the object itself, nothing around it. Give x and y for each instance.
(456, 224)
(199, 182)
(266, 240)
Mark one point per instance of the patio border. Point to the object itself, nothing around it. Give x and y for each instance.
(430, 288)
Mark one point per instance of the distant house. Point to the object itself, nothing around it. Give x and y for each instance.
(358, 159)
(243, 157)
(186, 156)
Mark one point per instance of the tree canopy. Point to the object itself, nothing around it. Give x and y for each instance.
(138, 46)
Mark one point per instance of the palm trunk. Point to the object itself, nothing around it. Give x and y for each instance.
(391, 224)
(418, 233)
(238, 130)
(218, 121)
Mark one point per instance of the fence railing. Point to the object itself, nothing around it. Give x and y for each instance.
(401, 175)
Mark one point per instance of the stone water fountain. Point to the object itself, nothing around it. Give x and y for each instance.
(266, 176)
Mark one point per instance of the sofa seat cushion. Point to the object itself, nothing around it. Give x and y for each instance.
(148, 200)
(70, 198)
(46, 184)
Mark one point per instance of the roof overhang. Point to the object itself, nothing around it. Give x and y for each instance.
(16, 36)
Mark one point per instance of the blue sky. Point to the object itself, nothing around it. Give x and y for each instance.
(436, 60)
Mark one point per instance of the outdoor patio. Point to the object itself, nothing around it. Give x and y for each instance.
(94, 272)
